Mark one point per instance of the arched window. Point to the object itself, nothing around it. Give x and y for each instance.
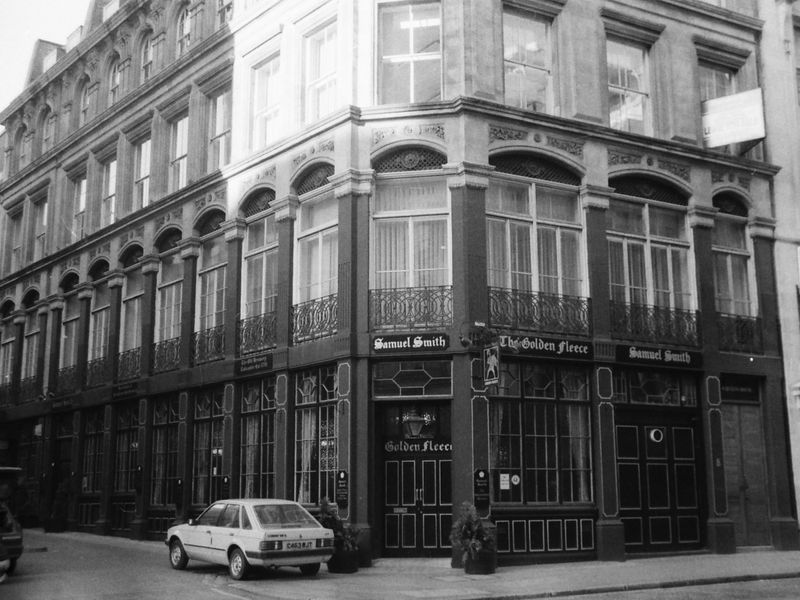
(131, 329)
(47, 127)
(70, 321)
(211, 272)
(22, 149)
(731, 256)
(261, 255)
(169, 298)
(183, 36)
(146, 58)
(30, 344)
(8, 332)
(114, 81)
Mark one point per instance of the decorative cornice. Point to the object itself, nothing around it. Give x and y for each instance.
(702, 215)
(501, 133)
(620, 157)
(569, 146)
(677, 169)
(352, 182)
(437, 130)
(286, 208)
(762, 227)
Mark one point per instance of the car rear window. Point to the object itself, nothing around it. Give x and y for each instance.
(283, 516)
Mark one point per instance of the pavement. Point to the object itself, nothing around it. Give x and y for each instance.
(434, 578)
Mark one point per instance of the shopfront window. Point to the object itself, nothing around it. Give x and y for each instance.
(257, 458)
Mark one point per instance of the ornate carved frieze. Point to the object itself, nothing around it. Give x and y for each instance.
(71, 263)
(216, 196)
(568, 146)
(677, 169)
(267, 173)
(132, 234)
(323, 147)
(419, 130)
(100, 249)
(498, 133)
(30, 282)
(742, 181)
(175, 215)
(618, 157)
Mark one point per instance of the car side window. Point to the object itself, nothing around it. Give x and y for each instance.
(211, 515)
(230, 517)
(246, 521)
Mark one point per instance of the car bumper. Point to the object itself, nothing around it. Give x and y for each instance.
(12, 544)
(282, 557)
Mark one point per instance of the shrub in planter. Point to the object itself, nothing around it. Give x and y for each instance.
(476, 541)
(345, 539)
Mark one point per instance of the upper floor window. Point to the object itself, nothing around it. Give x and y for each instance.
(183, 36)
(411, 233)
(30, 349)
(99, 322)
(146, 58)
(48, 124)
(213, 263)
(22, 148)
(731, 258)
(261, 266)
(179, 151)
(141, 175)
(169, 298)
(318, 248)
(716, 81)
(224, 11)
(527, 62)
(320, 72)
(40, 229)
(114, 81)
(132, 294)
(108, 202)
(628, 87)
(219, 131)
(83, 104)
(14, 256)
(69, 331)
(78, 229)
(266, 103)
(533, 238)
(648, 254)
(409, 52)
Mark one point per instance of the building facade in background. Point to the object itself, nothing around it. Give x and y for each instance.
(263, 249)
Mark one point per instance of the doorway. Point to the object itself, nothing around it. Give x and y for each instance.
(417, 481)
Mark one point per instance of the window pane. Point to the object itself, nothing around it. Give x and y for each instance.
(431, 252)
(508, 198)
(422, 194)
(626, 217)
(391, 242)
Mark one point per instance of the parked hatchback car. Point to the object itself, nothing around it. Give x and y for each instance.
(251, 533)
(10, 530)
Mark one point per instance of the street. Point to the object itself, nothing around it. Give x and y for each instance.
(74, 566)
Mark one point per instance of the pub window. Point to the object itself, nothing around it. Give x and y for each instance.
(164, 472)
(316, 434)
(257, 459)
(93, 451)
(664, 388)
(207, 446)
(127, 448)
(403, 378)
(540, 435)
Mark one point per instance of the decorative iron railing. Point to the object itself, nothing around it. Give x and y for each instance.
(166, 355)
(535, 311)
(654, 324)
(28, 389)
(209, 344)
(315, 319)
(129, 364)
(411, 308)
(739, 333)
(98, 371)
(5, 394)
(67, 381)
(258, 333)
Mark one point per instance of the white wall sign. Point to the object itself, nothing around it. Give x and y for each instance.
(735, 118)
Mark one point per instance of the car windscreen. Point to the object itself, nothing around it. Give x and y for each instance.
(280, 516)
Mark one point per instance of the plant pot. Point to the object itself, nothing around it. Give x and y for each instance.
(343, 562)
(483, 563)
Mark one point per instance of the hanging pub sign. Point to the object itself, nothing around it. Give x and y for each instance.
(653, 355)
(410, 343)
(546, 346)
(491, 365)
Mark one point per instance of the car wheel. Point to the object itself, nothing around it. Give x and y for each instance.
(309, 569)
(177, 555)
(237, 564)
(11, 566)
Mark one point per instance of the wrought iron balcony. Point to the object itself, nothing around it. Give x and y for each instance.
(410, 308)
(739, 333)
(166, 355)
(28, 389)
(654, 324)
(536, 311)
(315, 319)
(67, 381)
(257, 333)
(129, 364)
(208, 345)
(98, 372)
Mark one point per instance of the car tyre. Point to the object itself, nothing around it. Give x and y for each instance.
(11, 566)
(237, 564)
(177, 555)
(309, 569)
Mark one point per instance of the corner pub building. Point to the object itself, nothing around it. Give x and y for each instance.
(259, 248)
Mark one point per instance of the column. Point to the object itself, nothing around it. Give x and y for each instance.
(285, 215)
(234, 238)
(54, 343)
(145, 463)
(41, 350)
(16, 361)
(190, 251)
(115, 283)
(85, 298)
(183, 495)
(150, 266)
(103, 523)
(594, 200)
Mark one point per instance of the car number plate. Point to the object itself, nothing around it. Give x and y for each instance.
(305, 545)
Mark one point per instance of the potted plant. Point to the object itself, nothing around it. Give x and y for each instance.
(475, 540)
(345, 539)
